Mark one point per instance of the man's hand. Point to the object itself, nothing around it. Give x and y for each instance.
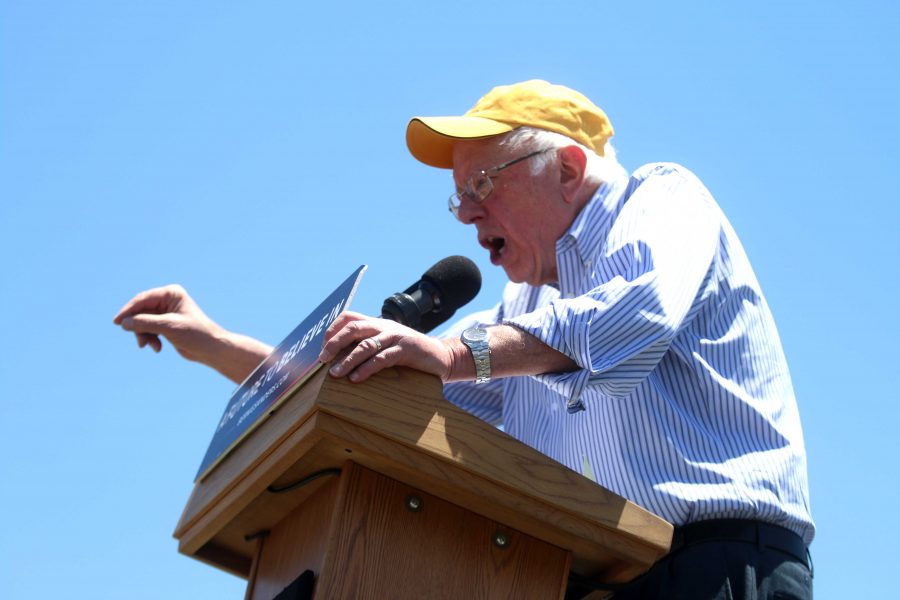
(376, 344)
(171, 313)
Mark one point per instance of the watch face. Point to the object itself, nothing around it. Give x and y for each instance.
(475, 334)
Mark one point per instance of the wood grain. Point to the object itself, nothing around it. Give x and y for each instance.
(383, 550)
(425, 421)
(399, 424)
(296, 544)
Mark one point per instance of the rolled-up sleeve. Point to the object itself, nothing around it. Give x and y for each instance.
(646, 278)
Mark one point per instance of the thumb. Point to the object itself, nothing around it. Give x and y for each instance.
(148, 323)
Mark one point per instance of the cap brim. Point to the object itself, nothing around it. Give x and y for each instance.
(431, 139)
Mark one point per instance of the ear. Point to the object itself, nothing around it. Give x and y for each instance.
(572, 165)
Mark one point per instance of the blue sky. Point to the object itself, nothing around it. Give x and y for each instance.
(255, 154)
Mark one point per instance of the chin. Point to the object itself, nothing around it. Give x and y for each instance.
(514, 277)
(521, 278)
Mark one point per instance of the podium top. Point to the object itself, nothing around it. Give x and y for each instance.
(398, 423)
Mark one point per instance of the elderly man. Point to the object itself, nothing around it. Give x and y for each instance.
(633, 343)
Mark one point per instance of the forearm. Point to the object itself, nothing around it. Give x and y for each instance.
(235, 355)
(513, 352)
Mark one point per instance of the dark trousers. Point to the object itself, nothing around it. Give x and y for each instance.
(728, 560)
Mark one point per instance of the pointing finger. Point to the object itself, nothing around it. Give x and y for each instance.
(147, 323)
(156, 300)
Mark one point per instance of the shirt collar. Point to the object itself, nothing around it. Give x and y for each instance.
(593, 222)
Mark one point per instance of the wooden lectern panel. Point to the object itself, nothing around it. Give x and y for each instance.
(296, 544)
(399, 425)
(374, 546)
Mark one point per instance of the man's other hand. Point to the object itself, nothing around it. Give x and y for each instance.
(171, 313)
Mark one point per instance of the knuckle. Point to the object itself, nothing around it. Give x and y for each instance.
(343, 321)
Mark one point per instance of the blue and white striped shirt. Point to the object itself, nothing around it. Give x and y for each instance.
(683, 403)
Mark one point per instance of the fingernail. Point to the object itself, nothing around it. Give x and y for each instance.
(127, 323)
(324, 356)
(335, 370)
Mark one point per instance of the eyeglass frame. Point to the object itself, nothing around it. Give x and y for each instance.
(454, 202)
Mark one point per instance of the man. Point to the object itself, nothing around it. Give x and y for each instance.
(633, 343)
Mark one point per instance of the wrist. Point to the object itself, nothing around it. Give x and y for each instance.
(461, 366)
(477, 339)
(236, 355)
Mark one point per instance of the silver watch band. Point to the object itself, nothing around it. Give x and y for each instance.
(477, 340)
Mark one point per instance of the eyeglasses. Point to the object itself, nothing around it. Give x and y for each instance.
(480, 185)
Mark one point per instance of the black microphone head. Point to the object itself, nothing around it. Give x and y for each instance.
(429, 302)
(456, 279)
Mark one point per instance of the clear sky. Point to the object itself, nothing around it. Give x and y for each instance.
(254, 152)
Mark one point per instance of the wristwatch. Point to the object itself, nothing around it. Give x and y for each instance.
(477, 338)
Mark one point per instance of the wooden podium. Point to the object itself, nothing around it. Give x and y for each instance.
(385, 490)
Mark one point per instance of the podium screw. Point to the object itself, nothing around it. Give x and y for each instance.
(501, 540)
(413, 503)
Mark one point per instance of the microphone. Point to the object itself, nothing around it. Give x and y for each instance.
(448, 285)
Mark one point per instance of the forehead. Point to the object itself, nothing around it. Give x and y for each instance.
(472, 155)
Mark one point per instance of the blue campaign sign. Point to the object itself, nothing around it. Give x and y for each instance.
(291, 363)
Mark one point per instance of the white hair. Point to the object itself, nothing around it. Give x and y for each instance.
(599, 168)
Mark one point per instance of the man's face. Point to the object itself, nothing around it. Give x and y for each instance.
(523, 217)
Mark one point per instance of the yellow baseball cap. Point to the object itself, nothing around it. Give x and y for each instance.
(533, 103)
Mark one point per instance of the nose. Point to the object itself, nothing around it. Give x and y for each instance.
(470, 211)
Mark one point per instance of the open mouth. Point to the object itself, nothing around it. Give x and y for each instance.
(495, 245)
